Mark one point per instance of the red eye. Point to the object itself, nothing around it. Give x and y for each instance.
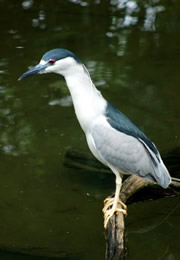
(51, 61)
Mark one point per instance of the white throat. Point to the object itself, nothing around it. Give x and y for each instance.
(88, 101)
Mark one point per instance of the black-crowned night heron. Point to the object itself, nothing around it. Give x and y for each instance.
(112, 138)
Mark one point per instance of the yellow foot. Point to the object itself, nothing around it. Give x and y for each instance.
(109, 209)
(108, 202)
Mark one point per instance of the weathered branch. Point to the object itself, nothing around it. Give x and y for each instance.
(115, 249)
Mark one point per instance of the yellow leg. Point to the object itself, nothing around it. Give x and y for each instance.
(111, 205)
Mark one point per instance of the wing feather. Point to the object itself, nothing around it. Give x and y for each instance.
(126, 152)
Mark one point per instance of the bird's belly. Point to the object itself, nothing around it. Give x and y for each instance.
(93, 149)
(100, 158)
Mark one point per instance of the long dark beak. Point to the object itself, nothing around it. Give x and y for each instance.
(35, 70)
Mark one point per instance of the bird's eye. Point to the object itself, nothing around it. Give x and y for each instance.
(51, 61)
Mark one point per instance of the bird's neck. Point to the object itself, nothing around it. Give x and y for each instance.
(88, 101)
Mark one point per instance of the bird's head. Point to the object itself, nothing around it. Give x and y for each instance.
(59, 61)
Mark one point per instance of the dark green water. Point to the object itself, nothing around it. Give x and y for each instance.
(132, 50)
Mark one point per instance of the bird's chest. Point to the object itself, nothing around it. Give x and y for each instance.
(85, 116)
(87, 111)
(88, 101)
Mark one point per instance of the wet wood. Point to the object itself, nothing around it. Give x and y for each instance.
(115, 248)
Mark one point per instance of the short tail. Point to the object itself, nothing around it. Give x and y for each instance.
(163, 177)
(160, 174)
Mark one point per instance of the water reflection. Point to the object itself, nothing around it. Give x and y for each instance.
(82, 3)
(151, 15)
(27, 4)
(64, 102)
(40, 21)
(131, 13)
(149, 226)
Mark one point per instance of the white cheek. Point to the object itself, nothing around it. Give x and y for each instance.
(63, 67)
(63, 64)
(60, 67)
(52, 68)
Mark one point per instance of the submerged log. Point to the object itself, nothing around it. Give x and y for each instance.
(49, 253)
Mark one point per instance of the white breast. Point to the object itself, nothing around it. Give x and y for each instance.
(88, 101)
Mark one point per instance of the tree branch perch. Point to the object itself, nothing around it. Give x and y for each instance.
(115, 249)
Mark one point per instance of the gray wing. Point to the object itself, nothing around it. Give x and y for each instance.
(123, 151)
(122, 123)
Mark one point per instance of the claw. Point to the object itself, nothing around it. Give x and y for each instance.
(110, 213)
(110, 208)
(108, 202)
